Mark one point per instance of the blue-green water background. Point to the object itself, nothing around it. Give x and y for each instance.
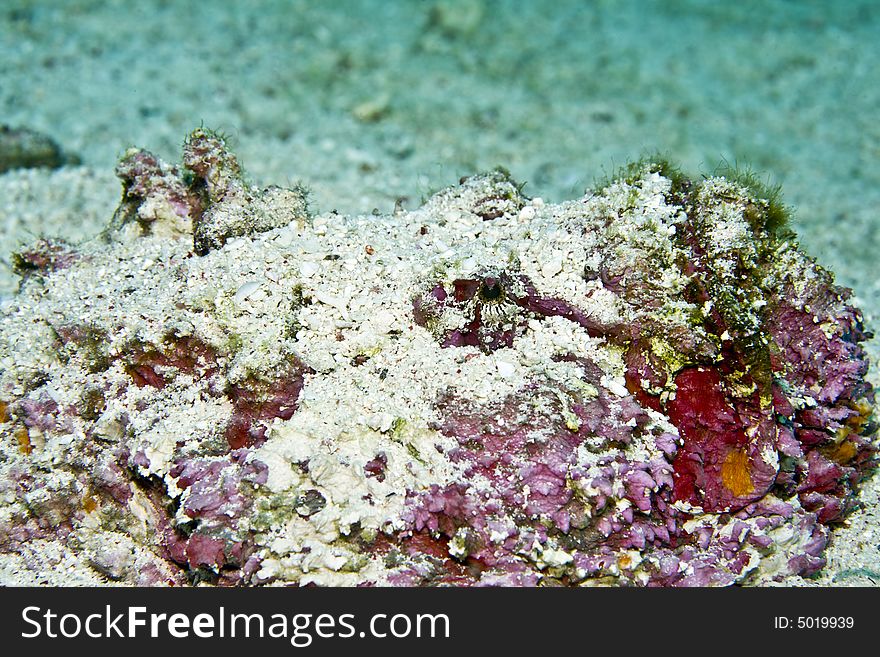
(376, 102)
(372, 101)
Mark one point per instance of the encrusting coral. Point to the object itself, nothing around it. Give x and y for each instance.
(648, 385)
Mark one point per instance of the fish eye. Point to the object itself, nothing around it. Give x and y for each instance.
(490, 290)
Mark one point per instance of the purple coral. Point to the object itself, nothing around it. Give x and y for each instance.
(497, 307)
(726, 461)
(215, 499)
(680, 403)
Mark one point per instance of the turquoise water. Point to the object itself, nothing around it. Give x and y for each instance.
(374, 101)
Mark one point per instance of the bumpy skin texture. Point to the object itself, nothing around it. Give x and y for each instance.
(643, 386)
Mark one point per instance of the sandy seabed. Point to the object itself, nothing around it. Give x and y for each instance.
(373, 104)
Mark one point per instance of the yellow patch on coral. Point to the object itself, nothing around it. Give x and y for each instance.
(89, 503)
(858, 422)
(24, 440)
(844, 452)
(735, 473)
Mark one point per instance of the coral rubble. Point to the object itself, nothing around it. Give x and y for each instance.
(648, 385)
(22, 148)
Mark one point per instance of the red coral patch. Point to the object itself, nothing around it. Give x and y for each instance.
(719, 467)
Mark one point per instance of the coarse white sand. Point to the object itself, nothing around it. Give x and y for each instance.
(373, 102)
